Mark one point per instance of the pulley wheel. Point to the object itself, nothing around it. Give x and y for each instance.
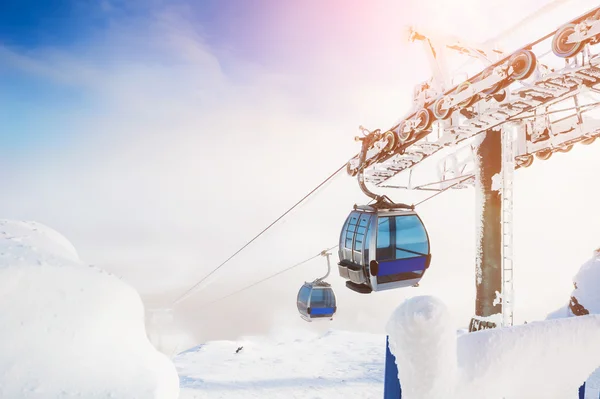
(523, 64)
(526, 161)
(425, 119)
(544, 154)
(403, 136)
(588, 140)
(391, 141)
(439, 110)
(560, 47)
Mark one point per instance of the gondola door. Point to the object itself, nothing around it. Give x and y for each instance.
(402, 251)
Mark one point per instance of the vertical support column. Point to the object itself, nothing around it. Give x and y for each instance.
(506, 192)
(391, 384)
(488, 278)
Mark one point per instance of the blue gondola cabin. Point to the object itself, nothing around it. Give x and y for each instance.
(382, 249)
(316, 300)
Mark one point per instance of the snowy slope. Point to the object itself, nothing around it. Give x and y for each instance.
(337, 364)
(70, 330)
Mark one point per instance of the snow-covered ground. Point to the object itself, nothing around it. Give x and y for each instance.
(337, 364)
(543, 359)
(547, 359)
(68, 329)
(345, 365)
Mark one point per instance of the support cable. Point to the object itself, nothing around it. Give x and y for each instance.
(186, 293)
(267, 278)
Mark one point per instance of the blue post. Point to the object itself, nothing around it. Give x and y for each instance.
(582, 391)
(391, 384)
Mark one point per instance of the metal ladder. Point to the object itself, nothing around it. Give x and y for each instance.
(509, 133)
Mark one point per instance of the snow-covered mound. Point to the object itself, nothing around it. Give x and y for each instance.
(20, 236)
(547, 359)
(338, 364)
(585, 299)
(69, 330)
(425, 348)
(586, 283)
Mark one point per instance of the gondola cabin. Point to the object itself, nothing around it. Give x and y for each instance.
(382, 249)
(316, 300)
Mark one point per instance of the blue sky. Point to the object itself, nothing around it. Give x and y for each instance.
(32, 105)
(33, 23)
(30, 23)
(240, 35)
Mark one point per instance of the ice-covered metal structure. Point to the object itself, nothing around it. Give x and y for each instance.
(511, 108)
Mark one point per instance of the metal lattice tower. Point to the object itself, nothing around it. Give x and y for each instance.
(539, 100)
(508, 169)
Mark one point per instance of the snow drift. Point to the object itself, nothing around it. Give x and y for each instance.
(68, 329)
(424, 344)
(546, 359)
(585, 299)
(586, 284)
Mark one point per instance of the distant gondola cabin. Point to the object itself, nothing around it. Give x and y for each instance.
(316, 300)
